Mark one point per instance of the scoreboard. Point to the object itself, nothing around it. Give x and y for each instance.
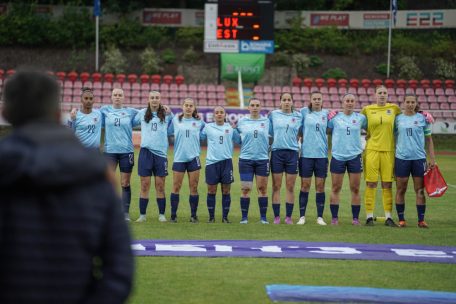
(239, 26)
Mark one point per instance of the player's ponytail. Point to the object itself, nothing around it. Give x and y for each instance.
(161, 113)
(148, 114)
(195, 114)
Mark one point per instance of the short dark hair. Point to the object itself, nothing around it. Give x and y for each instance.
(31, 95)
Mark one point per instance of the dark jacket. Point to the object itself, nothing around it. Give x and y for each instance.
(63, 238)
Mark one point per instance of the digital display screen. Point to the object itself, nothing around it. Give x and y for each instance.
(245, 20)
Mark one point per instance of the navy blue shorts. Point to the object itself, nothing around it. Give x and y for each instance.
(220, 172)
(126, 161)
(311, 166)
(248, 168)
(403, 168)
(354, 165)
(189, 166)
(151, 164)
(284, 161)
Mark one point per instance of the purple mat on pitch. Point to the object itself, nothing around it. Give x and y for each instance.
(295, 249)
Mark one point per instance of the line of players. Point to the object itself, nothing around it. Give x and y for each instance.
(285, 142)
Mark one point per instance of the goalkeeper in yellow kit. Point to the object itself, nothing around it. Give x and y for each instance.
(379, 154)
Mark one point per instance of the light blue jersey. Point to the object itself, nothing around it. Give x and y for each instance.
(410, 132)
(154, 134)
(346, 135)
(219, 142)
(284, 129)
(187, 136)
(118, 124)
(314, 138)
(87, 127)
(253, 136)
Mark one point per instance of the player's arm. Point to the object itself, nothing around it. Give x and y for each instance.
(72, 121)
(430, 145)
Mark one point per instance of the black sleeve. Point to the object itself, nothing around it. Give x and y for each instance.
(116, 259)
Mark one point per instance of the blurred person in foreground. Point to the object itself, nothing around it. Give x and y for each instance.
(63, 238)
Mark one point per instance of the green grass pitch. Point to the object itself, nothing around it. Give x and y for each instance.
(243, 280)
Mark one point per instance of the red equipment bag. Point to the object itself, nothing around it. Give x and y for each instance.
(434, 182)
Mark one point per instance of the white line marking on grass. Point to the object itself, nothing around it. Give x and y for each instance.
(453, 186)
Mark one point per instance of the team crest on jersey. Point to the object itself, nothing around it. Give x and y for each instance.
(415, 122)
(95, 119)
(323, 118)
(293, 120)
(262, 125)
(388, 112)
(194, 124)
(354, 121)
(123, 113)
(227, 131)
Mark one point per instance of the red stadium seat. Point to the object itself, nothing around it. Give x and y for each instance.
(419, 91)
(121, 78)
(390, 91)
(434, 106)
(324, 90)
(453, 105)
(336, 105)
(319, 82)
(331, 82)
(354, 83)
(389, 83)
(295, 90)
(168, 79)
(297, 97)
(442, 99)
(425, 83)
(211, 88)
(84, 76)
(421, 98)
(430, 92)
(333, 90)
(449, 92)
(392, 98)
(2, 73)
(439, 92)
(164, 87)
(307, 82)
(267, 89)
(96, 77)
(413, 83)
(183, 87)
(68, 84)
(334, 98)
(221, 88)
(342, 90)
(424, 106)
(108, 77)
(286, 89)
(155, 78)
(401, 83)
(352, 91)
(296, 82)
(449, 84)
(277, 89)
(400, 91)
(107, 85)
(444, 106)
(366, 83)
(61, 75)
(135, 86)
(258, 89)
(202, 88)
(144, 78)
(410, 91)
(145, 87)
(132, 78)
(342, 82)
(154, 87)
(179, 79)
(436, 83)
(77, 84)
(370, 91)
(192, 88)
(363, 99)
(277, 96)
(377, 82)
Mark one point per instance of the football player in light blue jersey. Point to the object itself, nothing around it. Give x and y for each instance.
(87, 121)
(252, 133)
(153, 154)
(314, 156)
(285, 126)
(186, 129)
(412, 131)
(346, 129)
(118, 122)
(219, 162)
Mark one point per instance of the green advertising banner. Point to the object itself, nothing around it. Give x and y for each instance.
(250, 65)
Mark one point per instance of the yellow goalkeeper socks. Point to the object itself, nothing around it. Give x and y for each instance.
(387, 197)
(369, 200)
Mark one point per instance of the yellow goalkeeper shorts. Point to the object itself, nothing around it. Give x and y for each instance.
(378, 163)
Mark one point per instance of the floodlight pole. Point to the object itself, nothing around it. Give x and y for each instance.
(389, 40)
(97, 50)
